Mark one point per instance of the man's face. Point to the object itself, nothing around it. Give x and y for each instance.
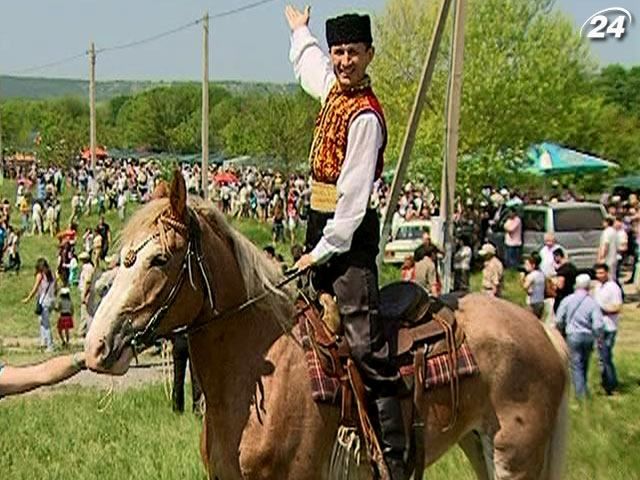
(602, 275)
(426, 239)
(350, 62)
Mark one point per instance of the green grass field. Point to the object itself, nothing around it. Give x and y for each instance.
(65, 433)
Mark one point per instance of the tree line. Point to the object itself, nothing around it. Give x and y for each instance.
(528, 77)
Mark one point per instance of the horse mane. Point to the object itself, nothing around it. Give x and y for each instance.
(259, 273)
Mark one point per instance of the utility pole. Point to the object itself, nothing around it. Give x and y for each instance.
(450, 164)
(205, 107)
(92, 106)
(412, 127)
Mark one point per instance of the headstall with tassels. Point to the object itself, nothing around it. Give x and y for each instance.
(148, 335)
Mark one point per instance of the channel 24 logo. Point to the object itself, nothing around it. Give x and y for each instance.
(607, 23)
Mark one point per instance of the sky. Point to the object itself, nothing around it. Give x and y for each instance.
(251, 45)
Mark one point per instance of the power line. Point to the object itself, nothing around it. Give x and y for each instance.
(47, 65)
(241, 9)
(150, 39)
(136, 43)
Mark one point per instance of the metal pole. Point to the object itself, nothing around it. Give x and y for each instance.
(412, 126)
(92, 106)
(205, 107)
(450, 164)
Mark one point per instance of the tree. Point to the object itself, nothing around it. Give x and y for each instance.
(272, 125)
(524, 69)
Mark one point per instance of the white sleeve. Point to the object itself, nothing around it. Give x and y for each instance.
(311, 66)
(354, 185)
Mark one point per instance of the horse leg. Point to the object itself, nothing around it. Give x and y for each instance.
(520, 443)
(474, 449)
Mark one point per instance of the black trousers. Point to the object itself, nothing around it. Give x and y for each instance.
(353, 278)
(180, 359)
(356, 291)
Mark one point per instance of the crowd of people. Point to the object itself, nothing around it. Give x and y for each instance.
(547, 276)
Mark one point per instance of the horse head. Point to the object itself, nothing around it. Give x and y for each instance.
(160, 284)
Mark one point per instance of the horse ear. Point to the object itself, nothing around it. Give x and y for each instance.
(178, 195)
(161, 190)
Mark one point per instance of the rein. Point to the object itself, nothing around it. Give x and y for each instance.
(147, 336)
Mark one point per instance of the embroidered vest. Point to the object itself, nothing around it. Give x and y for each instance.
(330, 136)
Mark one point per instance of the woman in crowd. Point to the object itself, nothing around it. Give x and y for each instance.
(44, 289)
(533, 282)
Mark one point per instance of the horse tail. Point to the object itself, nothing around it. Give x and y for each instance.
(556, 449)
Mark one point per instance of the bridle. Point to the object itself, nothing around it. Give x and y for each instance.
(148, 335)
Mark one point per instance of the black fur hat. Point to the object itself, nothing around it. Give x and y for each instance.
(350, 28)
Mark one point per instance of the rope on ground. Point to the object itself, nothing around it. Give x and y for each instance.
(105, 402)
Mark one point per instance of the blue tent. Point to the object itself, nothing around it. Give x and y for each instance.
(549, 159)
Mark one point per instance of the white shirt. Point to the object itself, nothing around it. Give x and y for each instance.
(610, 238)
(314, 71)
(608, 293)
(547, 263)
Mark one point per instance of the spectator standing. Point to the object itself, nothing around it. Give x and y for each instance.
(609, 297)
(65, 318)
(180, 359)
(36, 216)
(3, 239)
(566, 274)
(408, 269)
(608, 250)
(462, 266)
(580, 320)
(13, 250)
(513, 239)
(493, 271)
(96, 248)
(104, 230)
(84, 284)
(547, 260)
(44, 289)
(534, 282)
(425, 248)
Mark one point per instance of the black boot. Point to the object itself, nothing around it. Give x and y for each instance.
(392, 436)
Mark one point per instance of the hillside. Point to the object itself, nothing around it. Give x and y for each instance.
(43, 88)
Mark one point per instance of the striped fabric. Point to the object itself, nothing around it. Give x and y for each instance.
(437, 369)
(324, 388)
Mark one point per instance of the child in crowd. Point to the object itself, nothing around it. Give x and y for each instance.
(408, 269)
(65, 320)
(74, 270)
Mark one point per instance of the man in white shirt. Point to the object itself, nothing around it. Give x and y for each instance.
(609, 296)
(342, 233)
(547, 261)
(608, 251)
(513, 239)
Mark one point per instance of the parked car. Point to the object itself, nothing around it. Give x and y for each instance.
(577, 227)
(405, 240)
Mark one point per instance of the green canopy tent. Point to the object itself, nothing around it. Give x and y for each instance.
(550, 159)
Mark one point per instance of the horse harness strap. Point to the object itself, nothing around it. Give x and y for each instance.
(145, 337)
(148, 335)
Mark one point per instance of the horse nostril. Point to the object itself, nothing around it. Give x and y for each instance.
(102, 349)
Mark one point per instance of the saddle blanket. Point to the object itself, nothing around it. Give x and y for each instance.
(437, 372)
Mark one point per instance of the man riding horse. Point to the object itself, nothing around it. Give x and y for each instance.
(343, 232)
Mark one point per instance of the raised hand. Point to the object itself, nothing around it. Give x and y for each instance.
(296, 18)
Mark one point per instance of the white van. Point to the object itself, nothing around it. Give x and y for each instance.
(577, 227)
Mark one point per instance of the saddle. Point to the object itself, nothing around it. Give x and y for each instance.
(411, 319)
(426, 342)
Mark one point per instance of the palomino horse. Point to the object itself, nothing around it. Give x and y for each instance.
(182, 265)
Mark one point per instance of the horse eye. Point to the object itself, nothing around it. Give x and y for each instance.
(159, 261)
